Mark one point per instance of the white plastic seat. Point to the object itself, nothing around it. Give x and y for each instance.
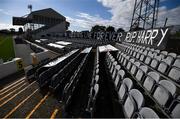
(175, 112)
(125, 87)
(117, 68)
(141, 72)
(177, 63)
(154, 63)
(120, 75)
(134, 67)
(130, 63)
(174, 108)
(125, 60)
(164, 92)
(143, 55)
(149, 57)
(175, 74)
(139, 54)
(146, 113)
(133, 103)
(150, 81)
(113, 66)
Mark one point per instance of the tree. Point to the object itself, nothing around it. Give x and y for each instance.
(98, 28)
(110, 29)
(120, 30)
(12, 30)
(20, 30)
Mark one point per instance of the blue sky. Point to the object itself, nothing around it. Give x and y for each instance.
(83, 14)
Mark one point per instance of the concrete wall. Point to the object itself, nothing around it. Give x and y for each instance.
(23, 51)
(38, 57)
(57, 29)
(11, 67)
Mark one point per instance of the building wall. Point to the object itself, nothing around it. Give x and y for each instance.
(57, 29)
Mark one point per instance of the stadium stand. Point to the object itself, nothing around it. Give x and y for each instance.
(132, 82)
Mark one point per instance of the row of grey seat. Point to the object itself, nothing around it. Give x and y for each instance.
(94, 87)
(168, 64)
(70, 87)
(163, 92)
(131, 99)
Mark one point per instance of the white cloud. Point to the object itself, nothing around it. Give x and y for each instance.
(8, 26)
(85, 21)
(121, 11)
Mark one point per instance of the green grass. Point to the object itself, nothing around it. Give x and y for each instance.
(6, 47)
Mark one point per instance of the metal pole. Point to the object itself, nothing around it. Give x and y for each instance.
(165, 22)
(133, 13)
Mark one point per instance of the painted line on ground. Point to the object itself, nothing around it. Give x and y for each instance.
(21, 103)
(12, 91)
(54, 114)
(37, 106)
(12, 84)
(16, 94)
(12, 87)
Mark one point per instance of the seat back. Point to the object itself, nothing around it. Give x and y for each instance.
(133, 103)
(164, 92)
(150, 81)
(175, 74)
(126, 86)
(141, 72)
(119, 77)
(147, 112)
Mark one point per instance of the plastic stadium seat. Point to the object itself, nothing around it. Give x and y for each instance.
(165, 63)
(125, 87)
(97, 71)
(164, 92)
(146, 112)
(175, 107)
(175, 112)
(130, 63)
(149, 57)
(111, 63)
(163, 67)
(139, 54)
(126, 60)
(96, 79)
(154, 63)
(120, 75)
(113, 66)
(134, 67)
(120, 56)
(177, 63)
(175, 74)
(150, 81)
(133, 103)
(143, 55)
(141, 72)
(122, 59)
(92, 99)
(117, 68)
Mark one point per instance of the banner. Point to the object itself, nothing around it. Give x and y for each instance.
(156, 38)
